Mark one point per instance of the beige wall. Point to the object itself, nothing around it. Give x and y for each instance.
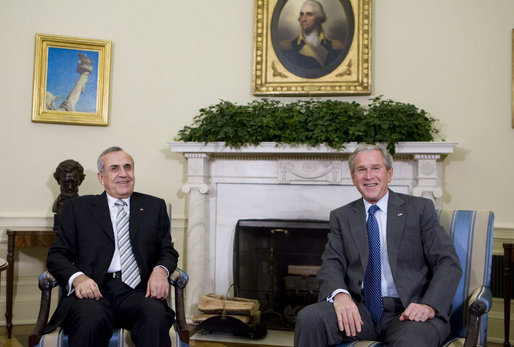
(170, 58)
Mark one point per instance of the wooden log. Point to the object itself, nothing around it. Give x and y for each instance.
(213, 303)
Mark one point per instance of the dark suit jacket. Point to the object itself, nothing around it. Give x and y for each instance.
(85, 242)
(424, 265)
(291, 50)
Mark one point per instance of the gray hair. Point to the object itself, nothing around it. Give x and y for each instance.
(388, 158)
(318, 9)
(100, 163)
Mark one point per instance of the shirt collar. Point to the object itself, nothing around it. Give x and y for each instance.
(111, 201)
(382, 203)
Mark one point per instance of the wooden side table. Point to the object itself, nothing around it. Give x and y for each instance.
(508, 249)
(21, 239)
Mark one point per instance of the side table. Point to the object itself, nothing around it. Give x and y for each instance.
(508, 249)
(21, 239)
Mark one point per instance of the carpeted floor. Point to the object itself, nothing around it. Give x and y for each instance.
(20, 336)
(16, 341)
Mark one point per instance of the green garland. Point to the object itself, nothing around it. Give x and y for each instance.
(311, 122)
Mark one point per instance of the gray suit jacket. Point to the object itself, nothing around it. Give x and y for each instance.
(422, 257)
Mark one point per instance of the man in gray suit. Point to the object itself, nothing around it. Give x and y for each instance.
(418, 269)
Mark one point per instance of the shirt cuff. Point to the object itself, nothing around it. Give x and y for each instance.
(70, 281)
(164, 267)
(330, 298)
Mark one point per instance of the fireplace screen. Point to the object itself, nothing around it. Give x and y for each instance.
(275, 262)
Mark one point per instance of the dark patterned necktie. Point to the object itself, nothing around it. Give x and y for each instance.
(129, 270)
(372, 276)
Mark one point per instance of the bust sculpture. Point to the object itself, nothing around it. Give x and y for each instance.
(69, 174)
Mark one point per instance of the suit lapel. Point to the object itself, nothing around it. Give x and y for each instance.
(100, 211)
(137, 211)
(358, 230)
(396, 216)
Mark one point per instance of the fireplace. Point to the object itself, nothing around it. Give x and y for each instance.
(276, 181)
(275, 262)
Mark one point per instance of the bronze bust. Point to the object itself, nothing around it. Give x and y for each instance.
(69, 175)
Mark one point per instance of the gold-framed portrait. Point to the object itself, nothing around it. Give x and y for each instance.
(71, 80)
(312, 47)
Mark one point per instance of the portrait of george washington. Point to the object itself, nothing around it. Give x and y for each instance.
(311, 38)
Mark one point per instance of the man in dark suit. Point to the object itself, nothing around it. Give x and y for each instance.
(418, 269)
(113, 273)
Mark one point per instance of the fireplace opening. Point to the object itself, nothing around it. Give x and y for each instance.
(275, 262)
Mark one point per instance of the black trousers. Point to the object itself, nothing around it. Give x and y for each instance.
(316, 325)
(91, 322)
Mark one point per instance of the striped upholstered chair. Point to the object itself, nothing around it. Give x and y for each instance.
(472, 235)
(179, 333)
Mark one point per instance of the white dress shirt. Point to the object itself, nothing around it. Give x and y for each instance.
(115, 265)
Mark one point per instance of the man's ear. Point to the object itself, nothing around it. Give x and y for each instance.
(100, 178)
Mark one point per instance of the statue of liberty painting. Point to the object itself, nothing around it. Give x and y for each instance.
(65, 88)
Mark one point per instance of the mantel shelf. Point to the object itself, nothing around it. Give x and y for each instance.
(274, 147)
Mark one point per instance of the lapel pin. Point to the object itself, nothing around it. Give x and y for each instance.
(400, 214)
(141, 209)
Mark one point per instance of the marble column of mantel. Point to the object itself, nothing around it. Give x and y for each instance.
(418, 170)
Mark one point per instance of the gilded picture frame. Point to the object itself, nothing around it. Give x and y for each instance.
(71, 80)
(284, 67)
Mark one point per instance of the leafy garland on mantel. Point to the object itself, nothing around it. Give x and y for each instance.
(311, 122)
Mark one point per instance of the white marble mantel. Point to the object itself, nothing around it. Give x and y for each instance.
(226, 184)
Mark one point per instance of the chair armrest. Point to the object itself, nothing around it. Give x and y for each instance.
(482, 294)
(479, 304)
(45, 283)
(179, 279)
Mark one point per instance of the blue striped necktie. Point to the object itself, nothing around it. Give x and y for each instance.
(129, 270)
(372, 276)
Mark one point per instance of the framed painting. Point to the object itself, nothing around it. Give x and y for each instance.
(313, 47)
(71, 80)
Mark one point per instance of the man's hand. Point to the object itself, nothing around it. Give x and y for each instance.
(418, 313)
(86, 288)
(348, 316)
(158, 286)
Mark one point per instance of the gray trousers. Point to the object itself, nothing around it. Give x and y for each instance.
(317, 326)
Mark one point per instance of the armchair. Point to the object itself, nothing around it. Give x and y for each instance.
(472, 235)
(179, 333)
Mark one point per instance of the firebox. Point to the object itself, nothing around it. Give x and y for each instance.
(275, 262)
